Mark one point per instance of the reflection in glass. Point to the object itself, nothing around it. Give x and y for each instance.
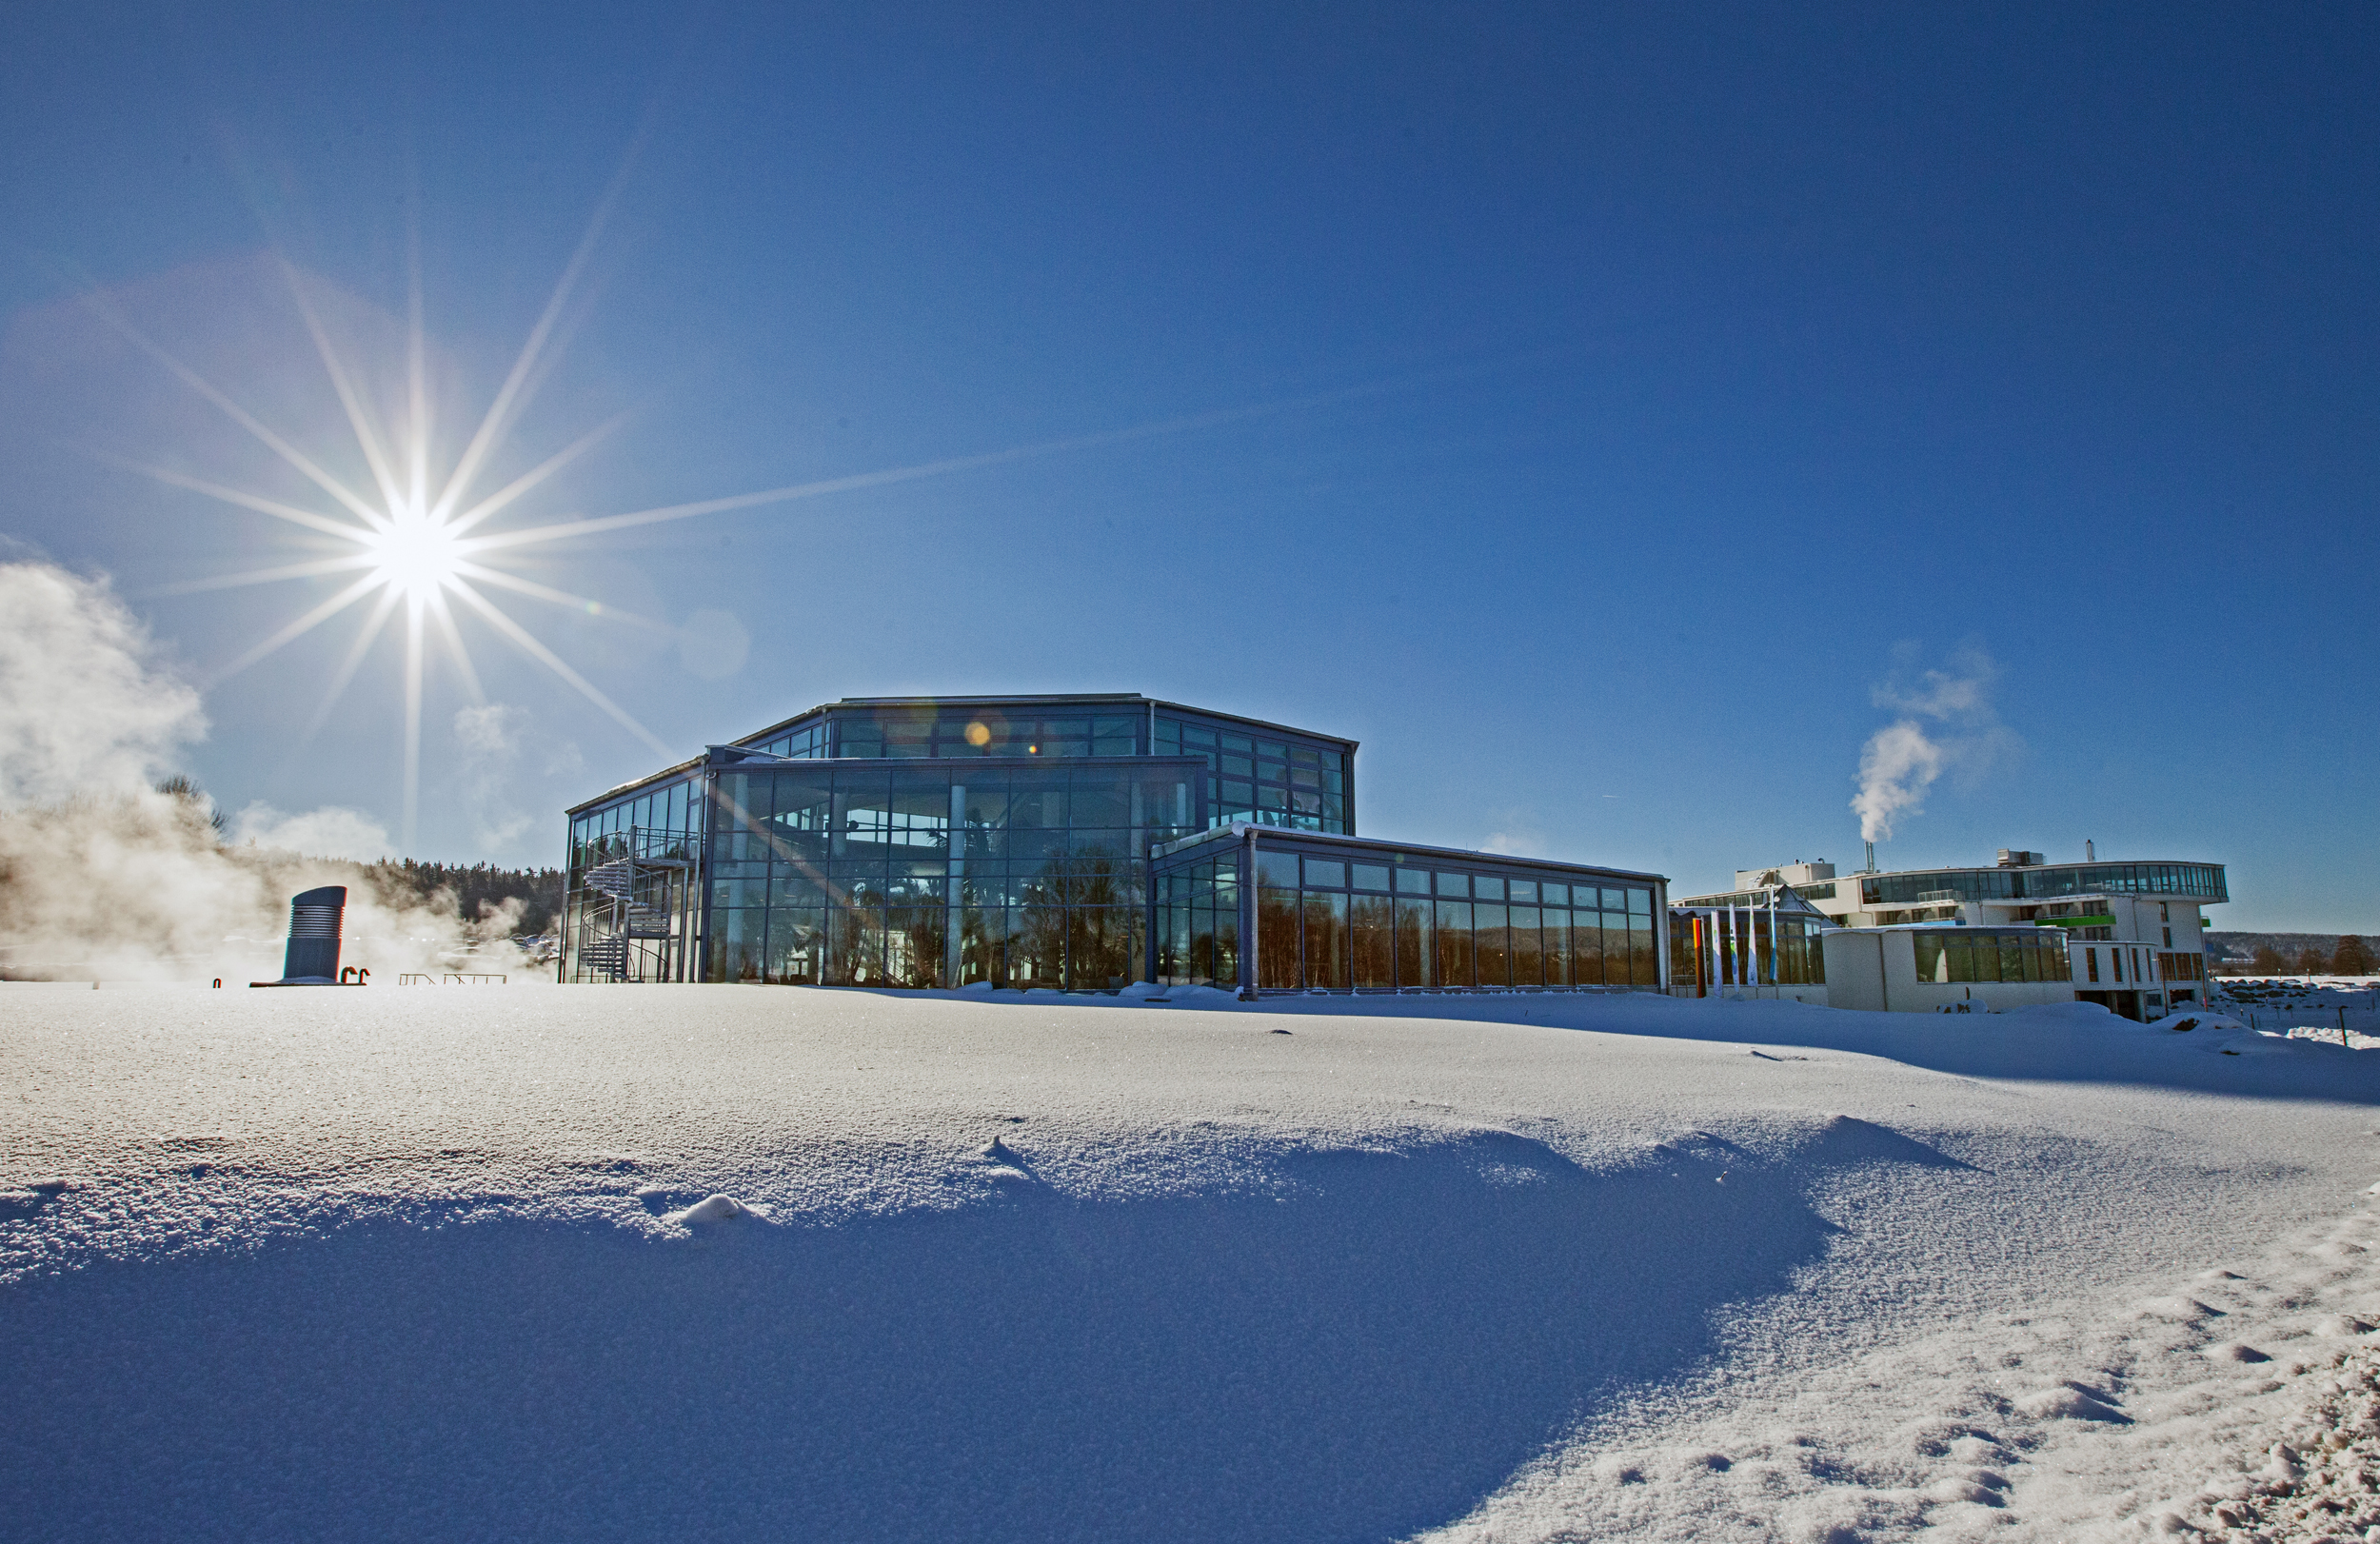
(1528, 950)
(1413, 942)
(797, 946)
(1490, 948)
(855, 943)
(1452, 963)
(1586, 942)
(1372, 940)
(1326, 941)
(1277, 939)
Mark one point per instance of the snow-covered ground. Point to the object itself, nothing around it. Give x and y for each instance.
(2348, 1005)
(391, 1263)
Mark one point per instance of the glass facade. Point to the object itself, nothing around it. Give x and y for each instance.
(1972, 954)
(1198, 921)
(1714, 946)
(1365, 918)
(631, 897)
(850, 872)
(1023, 843)
(1255, 773)
(1262, 776)
(2203, 881)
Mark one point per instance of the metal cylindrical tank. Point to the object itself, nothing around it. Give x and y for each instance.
(313, 952)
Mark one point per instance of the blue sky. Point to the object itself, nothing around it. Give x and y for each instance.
(1634, 394)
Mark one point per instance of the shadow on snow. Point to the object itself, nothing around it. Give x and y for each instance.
(1364, 1353)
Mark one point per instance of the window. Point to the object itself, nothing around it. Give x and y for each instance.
(1452, 965)
(1324, 875)
(2090, 962)
(1413, 882)
(1414, 950)
(1491, 947)
(1372, 928)
(1528, 946)
(1368, 876)
(1277, 869)
(1276, 940)
(1586, 946)
(1455, 885)
(1326, 941)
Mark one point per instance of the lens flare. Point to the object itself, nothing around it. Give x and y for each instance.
(415, 555)
(410, 538)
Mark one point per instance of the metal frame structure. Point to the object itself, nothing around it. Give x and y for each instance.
(646, 869)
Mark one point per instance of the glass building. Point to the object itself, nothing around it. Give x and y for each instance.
(1747, 940)
(1259, 911)
(1081, 842)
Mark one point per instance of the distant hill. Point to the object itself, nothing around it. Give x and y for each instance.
(2288, 946)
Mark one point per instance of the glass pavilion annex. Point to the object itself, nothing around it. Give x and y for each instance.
(1079, 843)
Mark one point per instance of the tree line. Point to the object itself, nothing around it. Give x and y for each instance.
(2349, 955)
(480, 889)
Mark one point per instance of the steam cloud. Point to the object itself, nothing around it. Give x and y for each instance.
(101, 875)
(85, 699)
(1947, 723)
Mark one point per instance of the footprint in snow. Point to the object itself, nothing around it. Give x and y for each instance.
(2072, 1401)
(2231, 1351)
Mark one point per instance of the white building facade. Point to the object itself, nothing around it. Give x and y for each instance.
(2133, 932)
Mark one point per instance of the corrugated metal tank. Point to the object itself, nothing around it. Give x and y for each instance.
(313, 951)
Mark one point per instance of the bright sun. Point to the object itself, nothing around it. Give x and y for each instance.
(415, 555)
(410, 538)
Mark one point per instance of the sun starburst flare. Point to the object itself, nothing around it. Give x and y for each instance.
(414, 542)
(406, 542)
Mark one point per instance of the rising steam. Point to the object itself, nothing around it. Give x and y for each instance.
(102, 874)
(1947, 723)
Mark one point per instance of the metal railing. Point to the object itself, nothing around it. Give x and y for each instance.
(635, 906)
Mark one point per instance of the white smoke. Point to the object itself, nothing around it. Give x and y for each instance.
(1947, 723)
(86, 700)
(101, 875)
(489, 735)
(329, 832)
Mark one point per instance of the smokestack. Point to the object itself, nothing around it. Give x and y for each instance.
(1871, 858)
(2091, 851)
(313, 952)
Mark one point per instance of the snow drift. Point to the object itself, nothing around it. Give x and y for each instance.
(727, 1263)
